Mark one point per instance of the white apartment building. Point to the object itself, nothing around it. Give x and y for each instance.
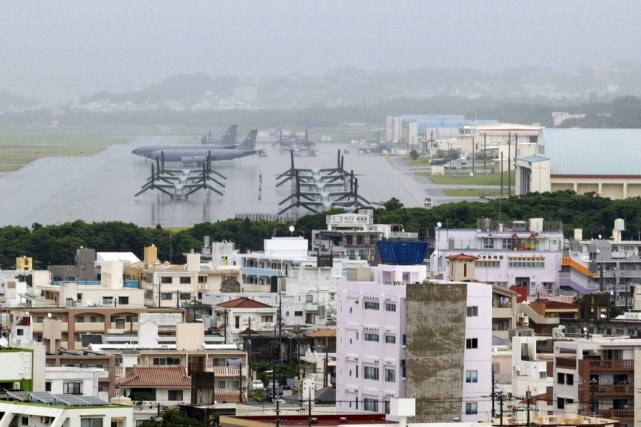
(529, 369)
(74, 380)
(509, 253)
(400, 337)
(167, 285)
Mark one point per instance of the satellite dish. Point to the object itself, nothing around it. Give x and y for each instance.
(291, 229)
(439, 225)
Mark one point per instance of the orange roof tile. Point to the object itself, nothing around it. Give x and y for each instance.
(323, 333)
(160, 376)
(243, 302)
(462, 257)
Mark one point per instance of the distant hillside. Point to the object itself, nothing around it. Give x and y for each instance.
(9, 101)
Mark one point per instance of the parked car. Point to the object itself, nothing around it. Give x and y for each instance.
(257, 385)
(269, 392)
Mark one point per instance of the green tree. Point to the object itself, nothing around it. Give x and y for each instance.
(413, 154)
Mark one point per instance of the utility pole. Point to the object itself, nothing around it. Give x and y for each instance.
(509, 166)
(501, 408)
(501, 174)
(493, 395)
(240, 377)
(528, 396)
(484, 152)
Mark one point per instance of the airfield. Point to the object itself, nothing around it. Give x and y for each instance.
(55, 190)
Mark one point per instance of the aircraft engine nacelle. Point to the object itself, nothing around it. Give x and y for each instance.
(194, 160)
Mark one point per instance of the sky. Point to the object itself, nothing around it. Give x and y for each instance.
(59, 50)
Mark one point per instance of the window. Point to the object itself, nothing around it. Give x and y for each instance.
(471, 376)
(123, 300)
(25, 421)
(488, 243)
(390, 375)
(236, 322)
(185, 280)
(370, 405)
(370, 337)
(356, 371)
(371, 305)
(175, 394)
(268, 319)
(107, 300)
(91, 422)
(72, 387)
(185, 296)
(390, 339)
(165, 280)
(95, 319)
(471, 408)
(561, 402)
(472, 311)
(389, 306)
(471, 343)
(298, 313)
(48, 386)
(567, 379)
(166, 296)
(370, 373)
(387, 406)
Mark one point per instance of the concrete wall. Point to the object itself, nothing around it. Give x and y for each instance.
(436, 318)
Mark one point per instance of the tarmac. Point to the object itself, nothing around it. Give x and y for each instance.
(56, 190)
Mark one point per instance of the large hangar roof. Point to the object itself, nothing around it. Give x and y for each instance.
(615, 152)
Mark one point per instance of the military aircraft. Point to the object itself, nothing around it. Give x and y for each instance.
(227, 141)
(200, 154)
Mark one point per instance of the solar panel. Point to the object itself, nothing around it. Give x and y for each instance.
(94, 401)
(43, 397)
(70, 400)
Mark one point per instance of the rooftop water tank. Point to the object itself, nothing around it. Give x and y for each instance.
(619, 224)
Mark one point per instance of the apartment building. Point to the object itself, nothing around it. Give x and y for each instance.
(407, 336)
(507, 253)
(598, 375)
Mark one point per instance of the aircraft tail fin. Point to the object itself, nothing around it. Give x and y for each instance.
(249, 143)
(229, 138)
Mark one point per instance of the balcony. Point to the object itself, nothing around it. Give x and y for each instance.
(616, 414)
(611, 390)
(90, 326)
(607, 365)
(224, 371)
(566, 362)
(254, 271)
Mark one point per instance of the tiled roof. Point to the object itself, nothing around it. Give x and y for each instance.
(243, 302)
(462, 257)
(323, 333)
(161, 376)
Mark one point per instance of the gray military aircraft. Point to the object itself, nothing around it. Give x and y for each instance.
(227, 141)
(200, 154)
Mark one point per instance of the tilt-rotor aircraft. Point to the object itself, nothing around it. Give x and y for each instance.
(200, 153)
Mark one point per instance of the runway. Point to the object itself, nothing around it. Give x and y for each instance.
(100, 188)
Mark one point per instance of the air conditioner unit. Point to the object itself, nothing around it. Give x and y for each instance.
(16, 385)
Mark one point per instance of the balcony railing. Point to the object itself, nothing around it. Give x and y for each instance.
(614, 390)
(224, 371)
(609, 365)
(616, 414)
(566, 362)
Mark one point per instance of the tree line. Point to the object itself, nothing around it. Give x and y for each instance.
(57, 244)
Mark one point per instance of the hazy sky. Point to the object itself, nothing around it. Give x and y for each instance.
(61, 49)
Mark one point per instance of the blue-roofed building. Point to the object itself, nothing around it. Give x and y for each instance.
(601, 161)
